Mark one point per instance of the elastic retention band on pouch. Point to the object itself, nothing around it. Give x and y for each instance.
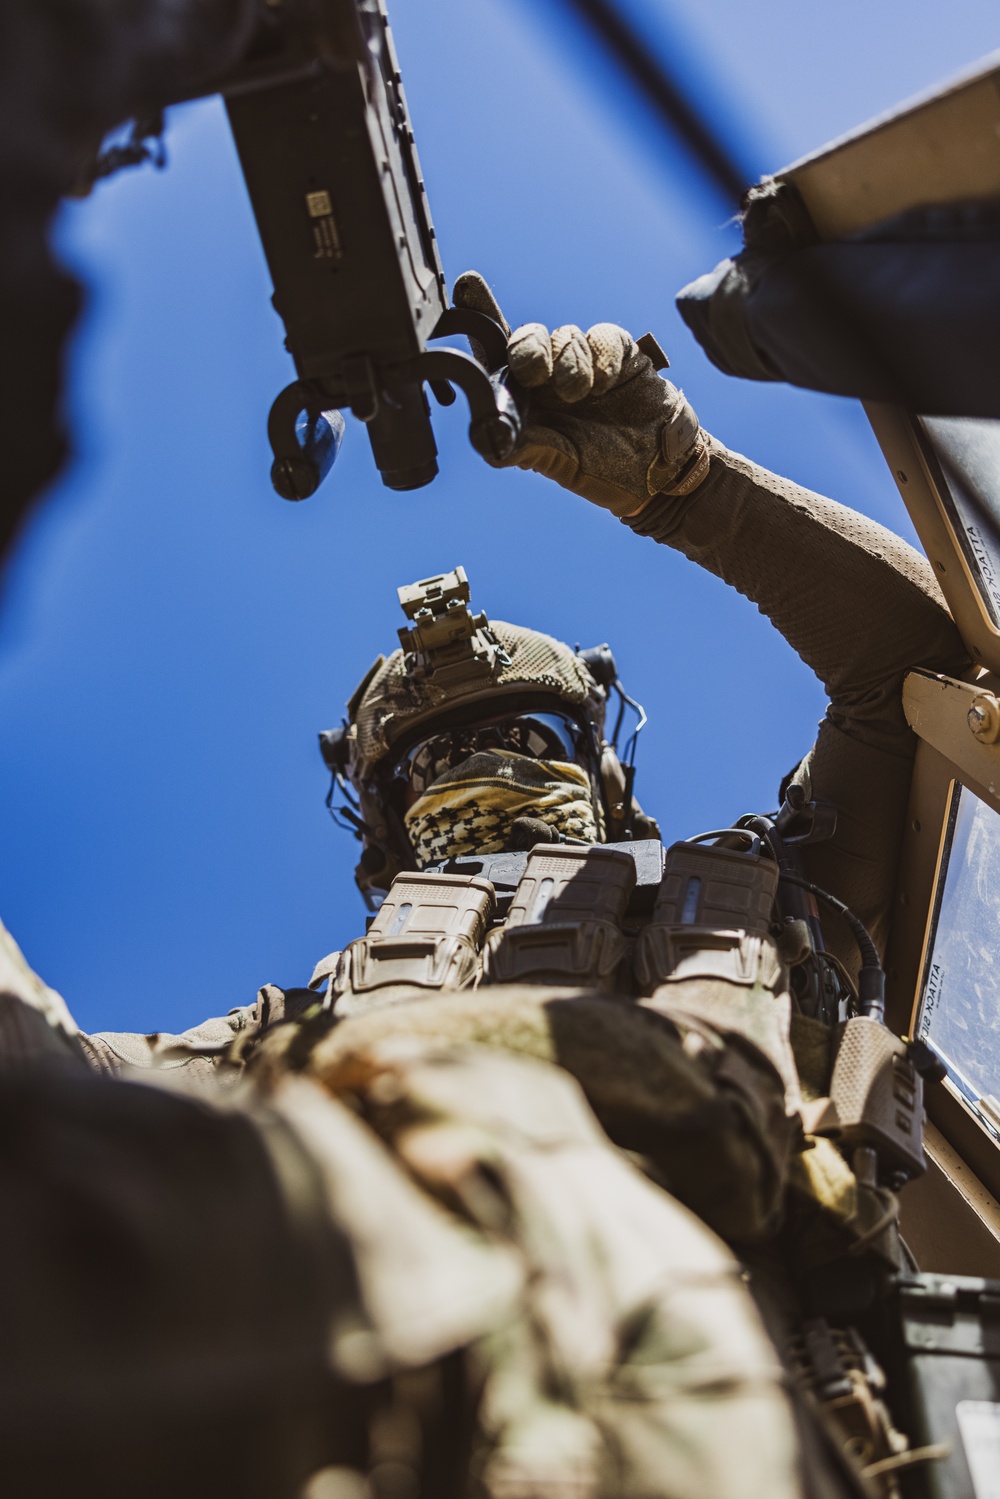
(565, 920)
(428, 932)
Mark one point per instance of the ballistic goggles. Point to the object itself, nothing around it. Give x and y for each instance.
(540, 736)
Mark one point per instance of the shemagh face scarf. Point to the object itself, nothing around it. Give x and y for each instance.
(470, 808)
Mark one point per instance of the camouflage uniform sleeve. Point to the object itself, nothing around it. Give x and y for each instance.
(861, 608)
(35, 1022)
(210, 1053)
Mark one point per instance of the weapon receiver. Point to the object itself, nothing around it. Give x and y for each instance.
(321, 126)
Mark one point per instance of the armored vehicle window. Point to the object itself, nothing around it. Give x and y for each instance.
(959, 1013)
(948, 472)
(967, 450)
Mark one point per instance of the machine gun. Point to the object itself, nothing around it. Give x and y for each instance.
(319, 117)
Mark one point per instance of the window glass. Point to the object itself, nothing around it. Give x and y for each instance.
(968, 453)
(960, 991)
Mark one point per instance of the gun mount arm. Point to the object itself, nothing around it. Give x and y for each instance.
(305, 427)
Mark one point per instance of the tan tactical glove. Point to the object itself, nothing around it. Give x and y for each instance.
(600, 421)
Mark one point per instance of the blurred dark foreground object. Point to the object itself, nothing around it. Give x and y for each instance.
(907, 310)
(68, 74)
(197, 1294)
(169, 1307)
(319, 116)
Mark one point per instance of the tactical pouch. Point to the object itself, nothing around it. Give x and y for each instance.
(713, 908)
(718, 887)
(428, 932)
(564, 925)
(879, 1095)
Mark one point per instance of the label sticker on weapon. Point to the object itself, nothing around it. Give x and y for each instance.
(967, 450)
(979, 1423)
(326, 240)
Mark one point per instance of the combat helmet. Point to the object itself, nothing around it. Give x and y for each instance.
(475, 736)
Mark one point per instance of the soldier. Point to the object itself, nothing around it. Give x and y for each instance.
(524, 923)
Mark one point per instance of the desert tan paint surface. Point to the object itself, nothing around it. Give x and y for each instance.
(942, 147)
(939, 148)
(942, 710)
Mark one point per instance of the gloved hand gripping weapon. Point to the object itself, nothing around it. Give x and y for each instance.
(320, 121)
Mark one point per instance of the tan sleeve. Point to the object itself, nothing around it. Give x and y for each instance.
(861, 608)
(35, 1022)
(203, 1050)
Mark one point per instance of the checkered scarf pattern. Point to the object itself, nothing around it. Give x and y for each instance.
(470, 809)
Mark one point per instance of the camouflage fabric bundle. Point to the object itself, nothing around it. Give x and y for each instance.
(635, 1342)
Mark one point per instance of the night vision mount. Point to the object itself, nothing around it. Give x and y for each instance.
(321, 126)
(447, 641)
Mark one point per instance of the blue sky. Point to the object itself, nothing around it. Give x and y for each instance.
(173, 635)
